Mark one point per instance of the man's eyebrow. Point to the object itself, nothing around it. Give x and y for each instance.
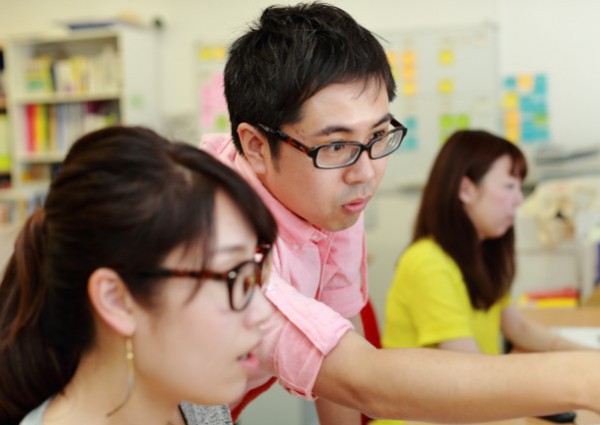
(342, 129)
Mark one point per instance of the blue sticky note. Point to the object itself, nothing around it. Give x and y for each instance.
(510, 83)
(541, 84)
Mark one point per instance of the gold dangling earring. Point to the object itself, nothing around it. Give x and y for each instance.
(130, 375)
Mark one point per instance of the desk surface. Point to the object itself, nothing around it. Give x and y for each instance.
(583, 316)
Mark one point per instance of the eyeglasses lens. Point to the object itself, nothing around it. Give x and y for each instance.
(244, 284)
(386, 145)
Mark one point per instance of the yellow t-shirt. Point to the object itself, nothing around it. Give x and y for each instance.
(428, 303)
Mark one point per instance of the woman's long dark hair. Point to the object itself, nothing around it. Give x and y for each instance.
(488, 267)
(124, 198)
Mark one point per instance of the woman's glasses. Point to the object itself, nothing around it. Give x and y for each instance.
(241, 280)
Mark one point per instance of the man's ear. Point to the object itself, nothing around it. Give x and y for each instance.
(255, 146)
(112, 300)
(467, 191)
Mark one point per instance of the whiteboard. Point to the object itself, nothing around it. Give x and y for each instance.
(447, 79)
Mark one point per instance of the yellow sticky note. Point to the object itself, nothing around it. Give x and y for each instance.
(510, 100)
(512, 135)
(219, 52)
(391, 57)
(446, 57)
(511, 117)
(512, 128)
(525, 82)
(212, 53)
(408, 58)
(408, 72)
(204, 53)
(446, 86)
(409, 88)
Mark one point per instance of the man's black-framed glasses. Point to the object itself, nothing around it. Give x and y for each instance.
(344, 154)
(242, 280)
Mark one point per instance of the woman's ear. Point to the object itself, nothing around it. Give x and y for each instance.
(112, 300)
(467, 191)
(255, 146)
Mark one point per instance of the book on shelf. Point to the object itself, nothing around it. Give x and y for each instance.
(52, 128)
(38, 75)
(36, 173)
(30, 127)
(75, 74)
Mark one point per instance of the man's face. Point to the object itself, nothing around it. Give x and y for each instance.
(331, 199)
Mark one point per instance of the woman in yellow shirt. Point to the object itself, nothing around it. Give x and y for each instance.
(451, 287)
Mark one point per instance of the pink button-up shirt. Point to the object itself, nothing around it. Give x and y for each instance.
(317, 282)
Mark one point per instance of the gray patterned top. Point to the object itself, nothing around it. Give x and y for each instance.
(192, 414)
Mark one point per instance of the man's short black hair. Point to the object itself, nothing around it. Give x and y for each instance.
(292, 53)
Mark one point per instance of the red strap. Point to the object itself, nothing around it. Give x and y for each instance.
(251, 395)
(371, 328)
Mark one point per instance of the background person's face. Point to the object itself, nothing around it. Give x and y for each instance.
(331, 199)
(495, 199)
(196, 347)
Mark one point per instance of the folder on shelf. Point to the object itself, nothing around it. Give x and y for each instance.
(38, 74)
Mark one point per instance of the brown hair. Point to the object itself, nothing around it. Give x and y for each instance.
(123, 199)
(488, 267)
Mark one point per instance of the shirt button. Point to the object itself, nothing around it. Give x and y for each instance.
(296, 247)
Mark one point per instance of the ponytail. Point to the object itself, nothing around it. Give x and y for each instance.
(29, 371)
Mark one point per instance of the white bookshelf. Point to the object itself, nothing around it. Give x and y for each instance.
(62, 86)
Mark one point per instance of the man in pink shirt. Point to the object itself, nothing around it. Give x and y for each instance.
(308, 92)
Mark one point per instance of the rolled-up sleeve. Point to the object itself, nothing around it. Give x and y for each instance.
(297, 337)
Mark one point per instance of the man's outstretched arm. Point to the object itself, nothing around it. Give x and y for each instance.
(441, 386)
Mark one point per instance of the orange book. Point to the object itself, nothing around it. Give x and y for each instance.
(30, 127)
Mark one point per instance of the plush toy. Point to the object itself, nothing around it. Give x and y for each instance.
(564, 208)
